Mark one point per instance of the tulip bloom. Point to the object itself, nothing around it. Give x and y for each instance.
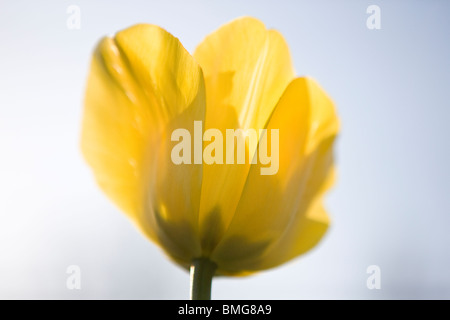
(143, 85)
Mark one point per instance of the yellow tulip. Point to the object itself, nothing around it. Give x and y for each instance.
(143, 85)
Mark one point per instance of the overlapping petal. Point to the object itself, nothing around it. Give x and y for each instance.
(246, 68)
(275, 212)
(142, 85)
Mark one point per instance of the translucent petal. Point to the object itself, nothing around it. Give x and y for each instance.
(142, 85)
(271, 205)
(246, 68)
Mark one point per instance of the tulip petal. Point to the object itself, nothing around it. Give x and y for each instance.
(273, 208)
(303, 234)
(142, 85)
(246, 68)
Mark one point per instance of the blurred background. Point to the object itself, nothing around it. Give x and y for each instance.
(390, 206)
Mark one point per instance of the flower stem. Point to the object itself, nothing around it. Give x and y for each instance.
(202, 272)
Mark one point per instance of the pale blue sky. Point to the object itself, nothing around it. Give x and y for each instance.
(390, 206)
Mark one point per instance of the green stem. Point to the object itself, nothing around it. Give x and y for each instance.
(202, 272)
